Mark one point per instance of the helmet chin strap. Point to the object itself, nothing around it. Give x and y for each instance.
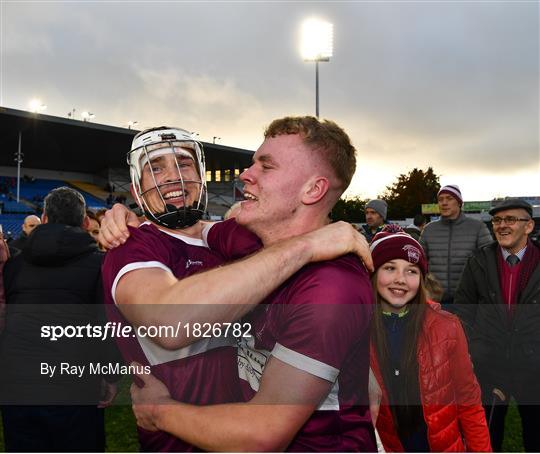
(176, 218)
(172, 217)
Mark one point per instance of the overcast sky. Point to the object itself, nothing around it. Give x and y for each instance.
(452, 85)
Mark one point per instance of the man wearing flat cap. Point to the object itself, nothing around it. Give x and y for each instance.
(376, 212)
(498, 301)
(450, 241)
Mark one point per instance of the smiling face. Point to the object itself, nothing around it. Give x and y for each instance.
(169, 176)
(397, 284)
(448, 206)
(513, 238)
(273, 185)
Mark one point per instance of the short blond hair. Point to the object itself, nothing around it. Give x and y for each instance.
(325, 137)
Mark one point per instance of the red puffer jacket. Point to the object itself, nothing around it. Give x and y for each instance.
(449, 391)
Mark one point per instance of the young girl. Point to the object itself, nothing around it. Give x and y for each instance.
(428, 397)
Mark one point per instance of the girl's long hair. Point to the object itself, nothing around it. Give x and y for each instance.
(406, 407)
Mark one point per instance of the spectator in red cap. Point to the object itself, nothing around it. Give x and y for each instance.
(449, 241)
(425, 397)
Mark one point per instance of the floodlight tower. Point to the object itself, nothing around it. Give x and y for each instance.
(36, 106)
(317, 46)
(87, 116)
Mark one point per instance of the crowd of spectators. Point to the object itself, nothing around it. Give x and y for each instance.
(55, 280)
(493, 286)
(441, 377)
(7, 184)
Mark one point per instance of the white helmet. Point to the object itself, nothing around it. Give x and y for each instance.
(156, 142)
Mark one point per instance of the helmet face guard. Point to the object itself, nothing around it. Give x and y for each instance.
(175, 152)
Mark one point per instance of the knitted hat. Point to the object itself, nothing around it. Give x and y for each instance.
(453, 190)
(380, 206)
(393, 243)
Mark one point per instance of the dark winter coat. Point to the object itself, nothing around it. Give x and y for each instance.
(56, 280)
(448, 244)
(505, 348)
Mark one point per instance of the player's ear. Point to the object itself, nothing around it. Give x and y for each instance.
(529, 226)
(315, 189)
(44, 218)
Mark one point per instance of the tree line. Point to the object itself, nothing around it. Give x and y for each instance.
(404, 197)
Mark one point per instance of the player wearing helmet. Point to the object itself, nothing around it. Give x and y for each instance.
(155, 277)
(169, 163)
(304, 372)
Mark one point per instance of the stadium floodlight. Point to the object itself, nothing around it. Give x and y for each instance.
(317, 46)
(87, 116)
(36, 106)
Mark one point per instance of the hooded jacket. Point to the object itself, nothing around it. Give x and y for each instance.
(449, 391)
(448, 244)
(55, 281)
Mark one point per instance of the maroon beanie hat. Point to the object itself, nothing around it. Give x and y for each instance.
(393, 243)
(453, 190)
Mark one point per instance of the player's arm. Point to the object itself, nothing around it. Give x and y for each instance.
(153, 296)
(286, 399)
(114, 232)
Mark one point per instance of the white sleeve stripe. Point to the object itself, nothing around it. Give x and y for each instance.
(135, 266)
(305, 363)
(205, 232)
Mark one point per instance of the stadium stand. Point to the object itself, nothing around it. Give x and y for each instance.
(32, 192)
(89, 188)
(12, 224)
(98, 159)
(12, 206)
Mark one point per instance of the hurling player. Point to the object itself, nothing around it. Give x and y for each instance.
(305, 371)
(154, 277)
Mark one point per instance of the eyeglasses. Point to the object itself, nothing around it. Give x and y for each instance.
(508, 220)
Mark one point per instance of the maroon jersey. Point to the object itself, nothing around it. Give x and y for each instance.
(317, 321)
(204, 372)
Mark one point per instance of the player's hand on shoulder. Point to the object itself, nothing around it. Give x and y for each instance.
(114, 226)
(337, 239)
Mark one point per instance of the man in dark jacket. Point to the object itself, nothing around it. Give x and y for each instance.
(55, 281)
(451, 240)
(376, 213)
(498, 301)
